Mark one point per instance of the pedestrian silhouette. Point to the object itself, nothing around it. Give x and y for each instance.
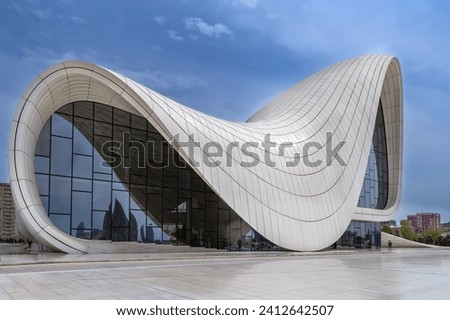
(254, 244)
(239, 244)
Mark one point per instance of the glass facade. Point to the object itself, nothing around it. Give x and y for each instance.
(106, 174)
(361, 235)
(374, 192)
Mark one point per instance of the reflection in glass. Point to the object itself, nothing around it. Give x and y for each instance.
(62, 126)
(121, 118)
(81, 232)
(138, 123)
(103, 113)
(66, 110)
(45, 200)
(83, 109)
(82, 184)
(98, 218)
(100, 165)
(141, 219)
(101, 195)
(82, 166)
(121, 208)
(41, 164)
(61, 157)
(374, 192)
(43, 143)
(60, 191)
(81, 209)
(82, 130)
(360, 235)
(102, 176)
(61, 221)
(135, 201)
(103, 129)
(42, 182)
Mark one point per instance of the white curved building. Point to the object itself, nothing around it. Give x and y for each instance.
(319, 165)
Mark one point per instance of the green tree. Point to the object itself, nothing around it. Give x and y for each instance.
(387, 229)
(406, 231)
(431, 236)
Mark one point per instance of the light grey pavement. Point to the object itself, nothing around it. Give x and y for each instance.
(401, 274)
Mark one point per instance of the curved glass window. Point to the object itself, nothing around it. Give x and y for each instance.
(374, 192)
(106, 174)
(360, 235)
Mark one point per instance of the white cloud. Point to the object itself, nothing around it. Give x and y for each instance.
(46, 57)
(271, 16)
(199, 25)
(77, 19)
(160, 19)
(42, 14)
(17, 7)
(248, 3)
(174, 35)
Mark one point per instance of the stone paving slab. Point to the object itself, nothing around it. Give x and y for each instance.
(403, 274)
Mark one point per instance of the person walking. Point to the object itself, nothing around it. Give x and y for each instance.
(253, 244)
(390, 245)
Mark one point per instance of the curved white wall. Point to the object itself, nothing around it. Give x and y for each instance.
(299, 208)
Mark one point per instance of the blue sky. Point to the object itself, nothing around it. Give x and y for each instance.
(228, 58)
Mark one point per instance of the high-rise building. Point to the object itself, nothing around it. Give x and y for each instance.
(426, 220)
(7, 212)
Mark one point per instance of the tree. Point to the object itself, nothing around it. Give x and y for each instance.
(445, 241)
(406, 231)
(431, 236)
(387, 229)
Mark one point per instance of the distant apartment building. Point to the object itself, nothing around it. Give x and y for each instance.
(423, 221)
(7, 212)
(446, 227)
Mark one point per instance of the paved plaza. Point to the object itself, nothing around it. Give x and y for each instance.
(401, 274)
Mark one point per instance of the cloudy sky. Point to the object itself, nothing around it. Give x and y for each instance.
(228, 58)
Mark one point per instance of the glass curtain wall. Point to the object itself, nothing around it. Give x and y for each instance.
(374, 192)
(106, 174)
